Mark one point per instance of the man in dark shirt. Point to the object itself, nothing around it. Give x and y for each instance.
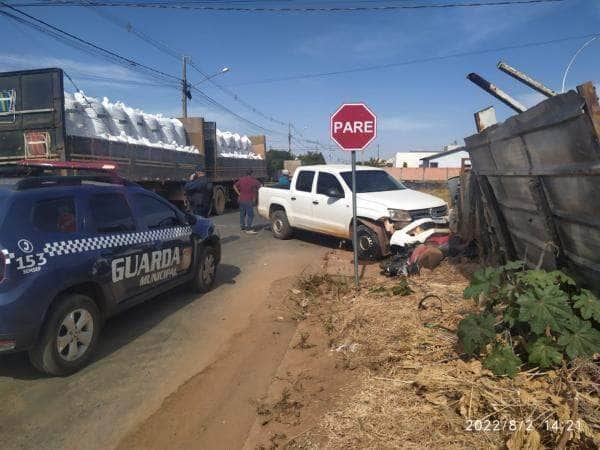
(199, 192)
(247, 188)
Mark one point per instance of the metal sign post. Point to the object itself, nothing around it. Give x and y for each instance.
(353, 127)
(354, 234)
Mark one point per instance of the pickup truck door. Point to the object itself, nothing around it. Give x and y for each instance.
(332, 210)
(301, 199)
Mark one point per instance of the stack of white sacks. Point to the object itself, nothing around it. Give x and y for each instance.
(232, 145)
(89, 117)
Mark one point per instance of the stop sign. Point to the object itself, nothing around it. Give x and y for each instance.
(353, 126)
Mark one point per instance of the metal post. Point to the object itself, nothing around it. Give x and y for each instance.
(526, 79)
(354, 234)
(184, 89)
(496, 92)
(289, 138)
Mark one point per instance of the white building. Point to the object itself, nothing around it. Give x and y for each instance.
(411, 159)
(450, 158)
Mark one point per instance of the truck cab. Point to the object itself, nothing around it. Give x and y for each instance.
(320, 199)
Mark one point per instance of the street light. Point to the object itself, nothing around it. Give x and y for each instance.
(579, 50)
(224, 70)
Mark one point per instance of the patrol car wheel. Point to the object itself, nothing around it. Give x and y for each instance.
(69, 336)
(206, 271)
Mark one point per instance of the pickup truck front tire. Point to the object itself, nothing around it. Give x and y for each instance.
(280, 225)
(368, 244)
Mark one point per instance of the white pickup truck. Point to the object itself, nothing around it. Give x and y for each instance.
(320, 199)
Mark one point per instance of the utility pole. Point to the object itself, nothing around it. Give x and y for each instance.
(377, 153)
(290, 138)
(184, 89)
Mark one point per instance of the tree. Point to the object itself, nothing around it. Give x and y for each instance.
(274, 160)
(311, 158)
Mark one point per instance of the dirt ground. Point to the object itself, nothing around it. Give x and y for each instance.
(381, 368)
(151, 351)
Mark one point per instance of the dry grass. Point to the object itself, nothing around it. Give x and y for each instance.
(416, 391)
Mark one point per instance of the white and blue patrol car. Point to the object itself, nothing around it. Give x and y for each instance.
(75, 250)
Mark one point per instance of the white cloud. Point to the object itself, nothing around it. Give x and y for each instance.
(397, 123)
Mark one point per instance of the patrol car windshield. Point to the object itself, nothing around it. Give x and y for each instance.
(372, 181)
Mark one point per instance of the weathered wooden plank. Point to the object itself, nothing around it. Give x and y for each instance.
(588, 92)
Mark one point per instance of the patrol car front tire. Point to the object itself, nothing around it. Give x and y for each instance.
(206, 271)
(69, 336)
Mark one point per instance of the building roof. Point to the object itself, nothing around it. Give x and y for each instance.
(442, 154)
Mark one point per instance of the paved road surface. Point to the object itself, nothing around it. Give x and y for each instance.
(148, 352)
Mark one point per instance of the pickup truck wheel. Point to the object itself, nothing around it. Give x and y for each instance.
(368, 243)
(280, 225)
(69, 336)
(206, 272)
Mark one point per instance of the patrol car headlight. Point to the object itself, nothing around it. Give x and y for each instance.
(399, 215)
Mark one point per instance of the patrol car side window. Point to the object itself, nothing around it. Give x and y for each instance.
(153, 213)
(111, 213)
(55, 216)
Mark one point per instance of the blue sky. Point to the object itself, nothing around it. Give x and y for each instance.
(421, 106)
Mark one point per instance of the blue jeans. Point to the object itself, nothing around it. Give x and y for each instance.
(246, 215)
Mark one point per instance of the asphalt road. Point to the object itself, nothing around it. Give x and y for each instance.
(148, 352)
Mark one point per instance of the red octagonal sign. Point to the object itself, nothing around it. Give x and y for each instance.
(353, 126)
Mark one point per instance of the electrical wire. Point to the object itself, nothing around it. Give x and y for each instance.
(55, 31)
(415, 61)
(170, 51)
(84, 45)
(203, 6)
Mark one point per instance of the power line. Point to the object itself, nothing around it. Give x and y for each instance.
(84, 45)
(415, 61)
(204, 6)
(170, 51)
(57, 31)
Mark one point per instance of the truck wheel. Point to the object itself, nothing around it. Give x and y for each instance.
(368, 243)
(69, 336)
(280, 225)
(219, 201)
(206, 271)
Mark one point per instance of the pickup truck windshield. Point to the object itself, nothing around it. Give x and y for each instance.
(372, 181)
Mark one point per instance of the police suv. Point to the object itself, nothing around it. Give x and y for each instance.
(75, 250)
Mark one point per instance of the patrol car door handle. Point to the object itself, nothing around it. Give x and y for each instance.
(293, 198)
(315, 202)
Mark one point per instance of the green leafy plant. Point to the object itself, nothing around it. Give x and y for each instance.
(402, 288)
(502, 361)
(529, 315)
(476, 331)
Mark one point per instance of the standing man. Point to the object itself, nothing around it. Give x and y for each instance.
(199, 192)
(247, 188)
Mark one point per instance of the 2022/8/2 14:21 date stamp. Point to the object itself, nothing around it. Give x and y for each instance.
(492, 425)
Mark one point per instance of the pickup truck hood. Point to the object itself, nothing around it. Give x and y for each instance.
(406, 199)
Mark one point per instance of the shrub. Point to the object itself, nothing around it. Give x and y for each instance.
(529, 315)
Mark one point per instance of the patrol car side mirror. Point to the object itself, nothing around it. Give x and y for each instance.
(191, 219)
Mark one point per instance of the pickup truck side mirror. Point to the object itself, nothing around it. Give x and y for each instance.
(334, 193)
(190, 219)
